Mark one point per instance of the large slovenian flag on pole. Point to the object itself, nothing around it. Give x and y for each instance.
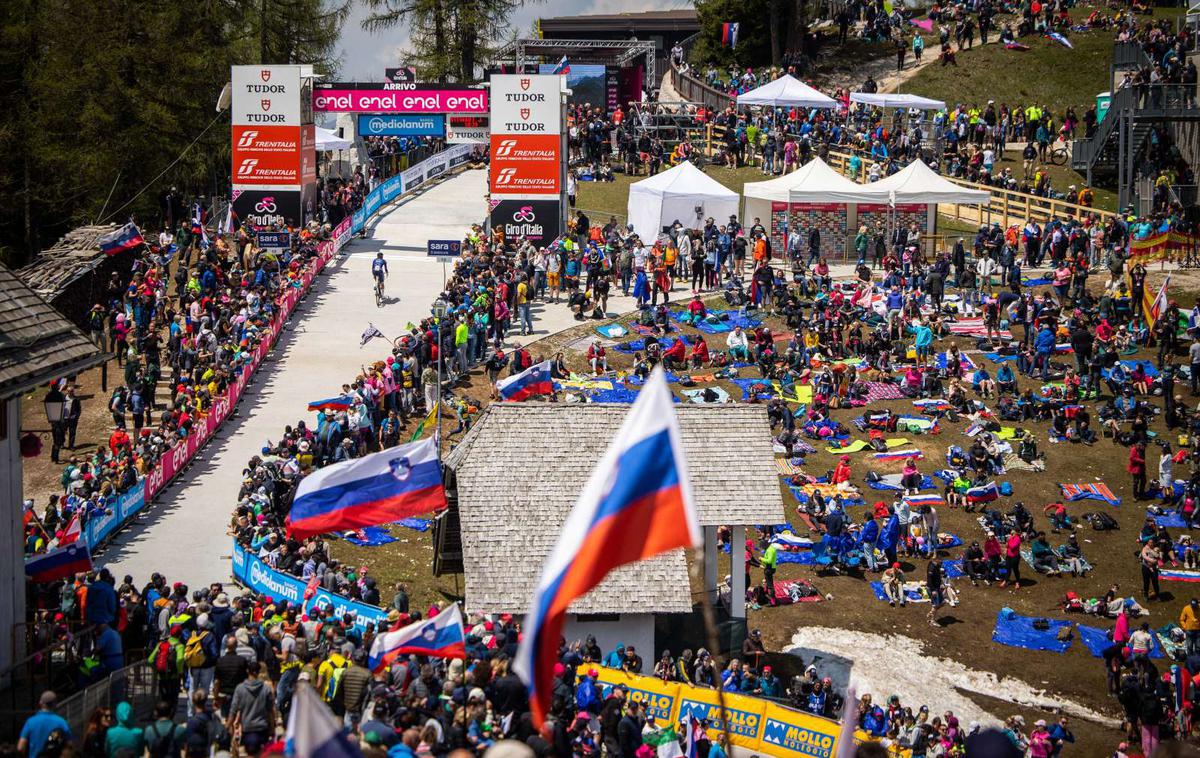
(59, 563)
(440, 637)
(535, 380)
(314, 732)
(376, 489)
(119, 240)
(563, 66)
(636, 504)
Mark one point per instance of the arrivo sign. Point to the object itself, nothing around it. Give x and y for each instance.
(377, 97)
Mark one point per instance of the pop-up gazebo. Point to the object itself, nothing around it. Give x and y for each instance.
(787, 92)
(918, 183)
(894, 100)
(684, 194)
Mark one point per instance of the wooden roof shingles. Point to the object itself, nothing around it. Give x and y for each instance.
(37, 344)
(519, 471)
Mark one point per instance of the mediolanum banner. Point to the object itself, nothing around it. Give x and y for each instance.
(526, 104)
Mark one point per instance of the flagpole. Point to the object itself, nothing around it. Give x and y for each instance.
(699, 559)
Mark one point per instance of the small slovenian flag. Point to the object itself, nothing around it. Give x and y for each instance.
(440, 637)
(126, 238)
(899, 455)
(984, 493)
(197, 219)
(533, 381)
(59, 563)
(376, 489)
(1180, 575)
(563, 67)
(314, 732)
(924, 500)
(729, 34)
(340, 403)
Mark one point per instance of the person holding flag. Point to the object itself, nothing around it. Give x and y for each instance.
(636, 504)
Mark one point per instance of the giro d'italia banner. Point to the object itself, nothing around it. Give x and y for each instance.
(1157, 247)
(755, 724)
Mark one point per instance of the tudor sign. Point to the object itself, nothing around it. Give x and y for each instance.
(267, 136)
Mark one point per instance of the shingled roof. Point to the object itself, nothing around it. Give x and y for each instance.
(519, 470)
(37, 344)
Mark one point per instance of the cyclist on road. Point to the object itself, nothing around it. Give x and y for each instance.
(379, 270)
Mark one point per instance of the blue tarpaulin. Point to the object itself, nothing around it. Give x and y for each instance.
(1015, 630)
(372, 536)
(418, 524)
(1096, 640)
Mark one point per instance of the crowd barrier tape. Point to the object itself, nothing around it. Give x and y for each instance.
(755, 724)
(266, 581)
(407, 181)
(1159, 246)
(129, 504)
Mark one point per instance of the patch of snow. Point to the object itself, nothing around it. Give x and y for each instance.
(884, 665)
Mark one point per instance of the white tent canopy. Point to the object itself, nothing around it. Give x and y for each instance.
(917, 183)
(328, 140)
(884, 100)
(786, 92)
(684, 194)
(814, 182)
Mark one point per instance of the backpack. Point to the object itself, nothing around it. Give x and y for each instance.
(334, 688)
(193, 652)
(162, 745)
(164, 658)
(1101, 521)
(202, 730)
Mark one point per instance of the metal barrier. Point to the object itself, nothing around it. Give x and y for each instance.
(134, 684)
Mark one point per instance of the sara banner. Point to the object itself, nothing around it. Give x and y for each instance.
(1159, 246)
(261, 578)
(755, 724)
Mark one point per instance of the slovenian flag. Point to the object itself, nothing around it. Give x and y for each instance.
(985, 493)
(636, 504)
(533, 381)
(59, 563)
(119, 240)
(439, 637)
(562, 67)
(729, 34)
(1179, 575)
(376, 489)
(314, 732)
(340, 403)
(931, 500)
(899, 455)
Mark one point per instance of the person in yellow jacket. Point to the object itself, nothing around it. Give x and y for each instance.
(1189, 621)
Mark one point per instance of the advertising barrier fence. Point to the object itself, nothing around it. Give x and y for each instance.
(755, 724)
(266, 581)
(129, 504)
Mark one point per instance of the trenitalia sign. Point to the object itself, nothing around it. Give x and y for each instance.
(526, 104)
(390, 97)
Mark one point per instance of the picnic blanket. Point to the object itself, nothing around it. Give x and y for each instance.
(709, 325)
(914, 592)
(973, 327)
(953, 569)
(803, 492)
(1171, 520)
(964, 360)
(787, 467)
(612, 331)
(615, 395)
(1147, 366)
(1089, 491)
(369, 536)
(1096, 640)
(763, 392)
(633, 346)
(891, 482)
(860, 445)
(946, 540)
(899, 455)
(791, 591)
(1015, 630)
(582, 383)
(697, 396)
(876, 391)
(416, 524)
(801, 393)
(916, 424)
(1013, 462)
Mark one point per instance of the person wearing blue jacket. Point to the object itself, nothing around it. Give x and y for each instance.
(889, 538)
(867, 539)
(102, 599)
(924, 339)
(616, 658)
(1044, 346)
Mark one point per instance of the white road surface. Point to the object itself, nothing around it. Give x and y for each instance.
(184, 534)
